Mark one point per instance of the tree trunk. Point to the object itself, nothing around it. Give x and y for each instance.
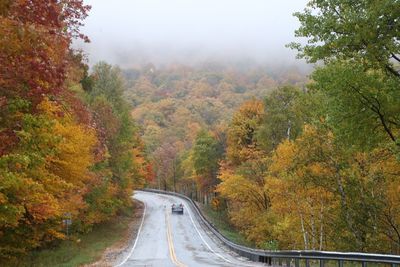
(289, 129)
(313, 232)
(303, 230)
(321, 229)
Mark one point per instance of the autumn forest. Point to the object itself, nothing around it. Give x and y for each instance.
(294, 157)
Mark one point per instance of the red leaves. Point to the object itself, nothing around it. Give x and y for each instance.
(39, 12)
(150, 175)
(34, 48)
(45, 154)
(52, 14)
(7, 140)
(3, 101)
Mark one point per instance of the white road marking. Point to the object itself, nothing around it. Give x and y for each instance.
(201, 236)
(209, 247)
(137, 238)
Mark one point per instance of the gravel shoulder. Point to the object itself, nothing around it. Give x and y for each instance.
(113, 253)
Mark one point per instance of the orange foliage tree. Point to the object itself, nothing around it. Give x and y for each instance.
(56, 157)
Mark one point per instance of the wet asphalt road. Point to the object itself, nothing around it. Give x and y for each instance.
(168, 239)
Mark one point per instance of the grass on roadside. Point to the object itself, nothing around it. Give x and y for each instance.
(88, 250)
(220, 221)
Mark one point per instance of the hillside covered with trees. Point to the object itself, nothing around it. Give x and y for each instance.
(174, 104)
(296, 163)
(294, 159)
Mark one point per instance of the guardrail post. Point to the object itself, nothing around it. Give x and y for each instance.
(321, 263)
(296, 262)
(340, 263)
(307, 263)
(364, 264)
(395, 265)
(288, 263)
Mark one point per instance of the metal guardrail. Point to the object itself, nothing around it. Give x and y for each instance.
(290, 258)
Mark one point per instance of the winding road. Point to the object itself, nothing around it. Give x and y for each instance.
(166, 239)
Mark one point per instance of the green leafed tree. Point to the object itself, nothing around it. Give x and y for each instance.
(116, 125)
(366, 30)
(280, 120)
(358, 42)
(206, 154)
(363, 107)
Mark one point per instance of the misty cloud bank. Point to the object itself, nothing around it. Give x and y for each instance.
(130, 32)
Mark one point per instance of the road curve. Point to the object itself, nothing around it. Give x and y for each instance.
(166, 239)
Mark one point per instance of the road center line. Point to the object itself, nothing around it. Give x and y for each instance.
(170, 242)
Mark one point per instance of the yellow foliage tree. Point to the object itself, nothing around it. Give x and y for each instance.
(296, 198)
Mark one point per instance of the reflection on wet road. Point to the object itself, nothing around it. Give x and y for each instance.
(168, 239)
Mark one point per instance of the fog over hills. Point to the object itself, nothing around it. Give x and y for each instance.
(191, 31)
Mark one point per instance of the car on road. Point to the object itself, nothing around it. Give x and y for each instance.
(177, 208)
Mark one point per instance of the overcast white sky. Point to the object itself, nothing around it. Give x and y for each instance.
(126, 31)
